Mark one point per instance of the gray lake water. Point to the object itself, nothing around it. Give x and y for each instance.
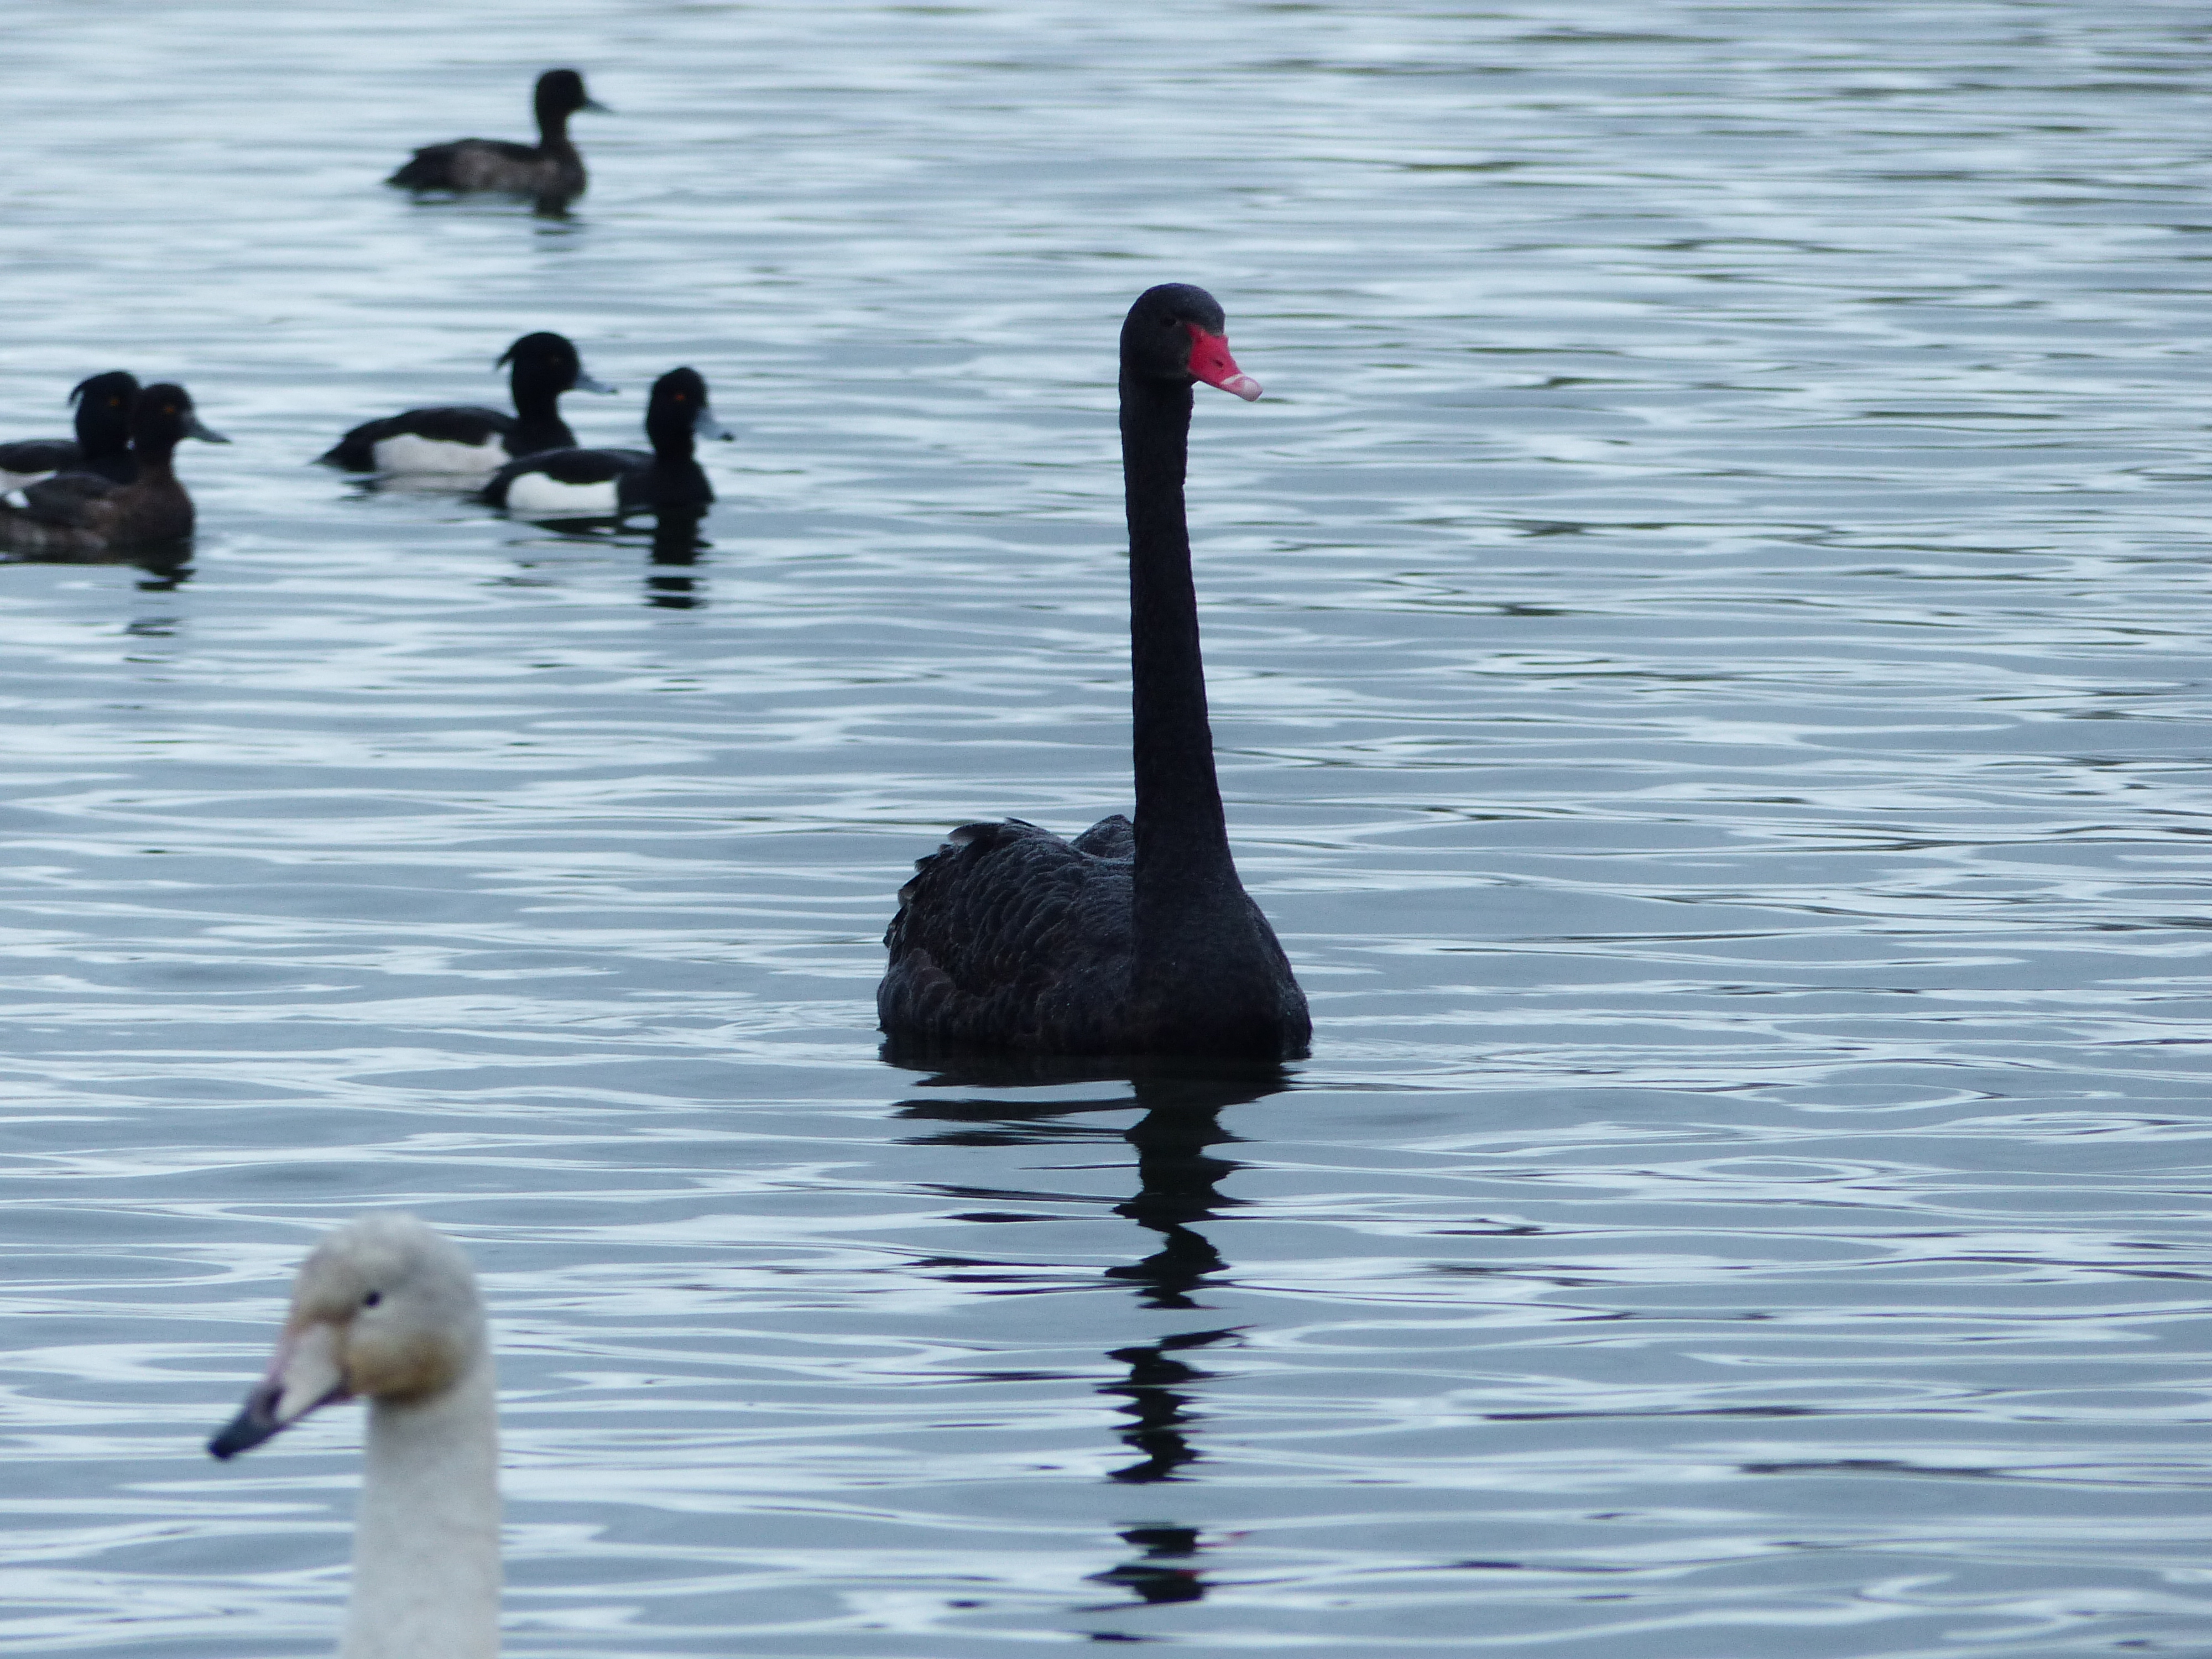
(1707, 634)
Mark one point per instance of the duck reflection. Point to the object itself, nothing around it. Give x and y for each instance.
(672, 548)
(167, 566)
(677, 545)
(1179, 1177)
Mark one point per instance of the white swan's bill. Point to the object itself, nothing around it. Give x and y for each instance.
(540, 492)
(410, 452)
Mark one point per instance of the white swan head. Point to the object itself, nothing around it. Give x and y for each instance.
(386, 1309)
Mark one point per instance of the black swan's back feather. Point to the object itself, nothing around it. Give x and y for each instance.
(1009, 936)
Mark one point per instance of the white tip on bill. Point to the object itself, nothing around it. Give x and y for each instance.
(1243, 384)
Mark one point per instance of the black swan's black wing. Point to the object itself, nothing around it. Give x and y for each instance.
(1109, 838)
(1010, 937)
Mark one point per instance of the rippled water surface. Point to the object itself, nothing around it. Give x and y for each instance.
(1707, 635)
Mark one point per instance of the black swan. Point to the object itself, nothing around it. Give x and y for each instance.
(465, 441)
(1132, 938)
(102, 443)
(551, 171)
(87, 513)
(608, 482)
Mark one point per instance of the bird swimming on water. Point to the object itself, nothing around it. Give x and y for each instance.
(89, 513)
(551, 171)
(1133, 939)
(102, 443)
(386, 1310)
(468, 441)
(611, 483)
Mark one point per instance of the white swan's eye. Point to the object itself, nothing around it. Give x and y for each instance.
(372, 1298)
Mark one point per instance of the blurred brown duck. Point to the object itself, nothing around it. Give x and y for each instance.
(87, 513)
(551, 171)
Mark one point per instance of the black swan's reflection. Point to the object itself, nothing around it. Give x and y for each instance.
(1149, 1576)
(1178, 1185)
(1159, 1405)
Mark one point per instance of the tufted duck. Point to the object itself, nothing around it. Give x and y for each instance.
(582, 484)
(550, 172)
(102, 443)
(468, 442)
(86, 513)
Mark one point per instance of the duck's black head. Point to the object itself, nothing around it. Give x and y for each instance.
(103, 411)
(161, 417)
(561, 93)
(549, 364)
(679, 413)
(1177, 332)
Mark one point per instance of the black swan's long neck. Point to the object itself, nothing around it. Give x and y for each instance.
(1183, 841)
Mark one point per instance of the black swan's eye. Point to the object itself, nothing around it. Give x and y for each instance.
(372, 1298)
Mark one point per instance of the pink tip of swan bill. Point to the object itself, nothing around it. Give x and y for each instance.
(1210, 363)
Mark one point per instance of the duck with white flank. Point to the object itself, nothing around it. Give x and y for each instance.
(1132, 938)
(386, 1310)
(468, 441)
(595, 483)
(89, 512)
(102, 443)
(549, 172)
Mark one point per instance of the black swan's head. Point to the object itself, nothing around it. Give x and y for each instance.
(1177, 332)
(548, 362)
(561, 93)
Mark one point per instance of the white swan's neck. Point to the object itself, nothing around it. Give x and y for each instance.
(426, 1565)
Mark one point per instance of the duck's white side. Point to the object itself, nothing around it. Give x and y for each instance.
(386, 1309)
(541, 493)
(410, 452)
